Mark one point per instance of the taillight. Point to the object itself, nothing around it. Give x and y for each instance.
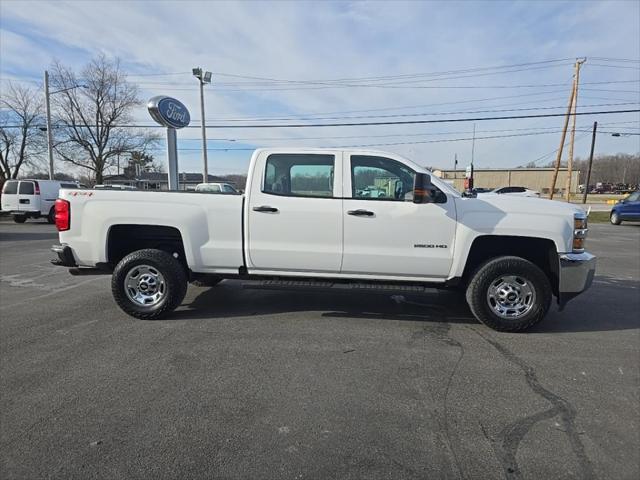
(37, 188)
(63, 215)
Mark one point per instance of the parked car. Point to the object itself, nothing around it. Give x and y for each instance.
(114, 187)
(216, 187)
(305, 221)
(626, 209)
(32, 198)
(520, 191)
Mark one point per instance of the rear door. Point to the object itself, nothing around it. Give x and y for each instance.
(10, 196)
(294, 212)
(28, 197)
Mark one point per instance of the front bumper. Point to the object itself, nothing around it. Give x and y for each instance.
(576, 272)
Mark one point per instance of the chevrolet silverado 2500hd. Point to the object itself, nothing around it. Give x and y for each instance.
(347, 219)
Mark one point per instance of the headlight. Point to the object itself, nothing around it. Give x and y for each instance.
(579, 232)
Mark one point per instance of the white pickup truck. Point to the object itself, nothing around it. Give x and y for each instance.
(308, 219)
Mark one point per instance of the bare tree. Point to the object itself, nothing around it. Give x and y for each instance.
(21, 141)
(91, 111)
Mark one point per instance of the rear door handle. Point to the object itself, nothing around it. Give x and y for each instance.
(265, 208)
(361, 213)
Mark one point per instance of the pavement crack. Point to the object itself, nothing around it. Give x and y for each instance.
(510, 437)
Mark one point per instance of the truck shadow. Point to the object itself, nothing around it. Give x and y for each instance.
(610, 304)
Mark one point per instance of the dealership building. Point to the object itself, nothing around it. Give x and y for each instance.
(538, 179)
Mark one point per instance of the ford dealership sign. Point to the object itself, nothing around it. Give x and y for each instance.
(169, 112)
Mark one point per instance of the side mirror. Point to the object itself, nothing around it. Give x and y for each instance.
(422, 188)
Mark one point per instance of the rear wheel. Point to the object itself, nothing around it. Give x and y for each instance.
(509, 294)
(615, 218)
(149, 283)
(51, 218)
(19, 218)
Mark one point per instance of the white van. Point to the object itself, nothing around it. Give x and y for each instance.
(32, 198)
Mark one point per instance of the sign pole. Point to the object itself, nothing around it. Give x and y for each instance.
(172, 158)
(172, 114)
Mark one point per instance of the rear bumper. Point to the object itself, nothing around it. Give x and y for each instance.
(26, 213)
(65, 256)
(67, 259)
(576, 275)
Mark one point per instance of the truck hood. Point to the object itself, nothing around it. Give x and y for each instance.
(518, 216)
(528, 205)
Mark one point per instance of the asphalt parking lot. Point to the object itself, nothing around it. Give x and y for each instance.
(246, 383)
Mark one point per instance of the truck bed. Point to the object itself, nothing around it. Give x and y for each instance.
(210, 224)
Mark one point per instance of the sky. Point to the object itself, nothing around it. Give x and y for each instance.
(354, 62)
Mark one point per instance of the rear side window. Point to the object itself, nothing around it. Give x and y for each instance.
(10, 187)
(299, 175)
(26, 188)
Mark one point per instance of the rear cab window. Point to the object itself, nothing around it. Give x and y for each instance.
(10, 187)
(299, 175)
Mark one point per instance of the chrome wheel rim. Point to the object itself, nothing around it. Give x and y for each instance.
(511, 296)
(145, 285)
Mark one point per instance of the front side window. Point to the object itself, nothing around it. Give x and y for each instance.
(10, 187)
(299, 175)
(25, 188)
(380, 178)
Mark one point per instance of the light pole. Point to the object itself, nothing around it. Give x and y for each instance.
(47, 103)
(203, 77)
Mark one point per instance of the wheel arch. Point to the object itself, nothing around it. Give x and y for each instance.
(542, 252)
(123, 239)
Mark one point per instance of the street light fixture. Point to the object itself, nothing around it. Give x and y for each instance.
(203, 77)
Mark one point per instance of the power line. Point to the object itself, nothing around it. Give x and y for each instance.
(360, 124)
(444, 113)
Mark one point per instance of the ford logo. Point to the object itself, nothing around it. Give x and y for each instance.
(169, 112)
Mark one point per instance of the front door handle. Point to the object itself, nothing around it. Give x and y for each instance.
(265, 208)
(361, 213)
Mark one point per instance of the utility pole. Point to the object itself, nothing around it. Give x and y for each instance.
(49, 133)
(455, 165)
(593, 144)
(576, 83)
(562, 139)
(203, 77)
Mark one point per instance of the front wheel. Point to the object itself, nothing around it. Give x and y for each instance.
(615, 218)
(509, 294)
(149, 284)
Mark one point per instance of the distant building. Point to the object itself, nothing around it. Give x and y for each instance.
(160, 181)
(534, 178)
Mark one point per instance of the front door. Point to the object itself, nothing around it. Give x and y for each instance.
(385, 233)
(294, 212)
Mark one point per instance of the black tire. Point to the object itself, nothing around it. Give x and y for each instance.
(487, 276)
(51, 218)
(614, 218)
(175, 283)
(19, 218)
